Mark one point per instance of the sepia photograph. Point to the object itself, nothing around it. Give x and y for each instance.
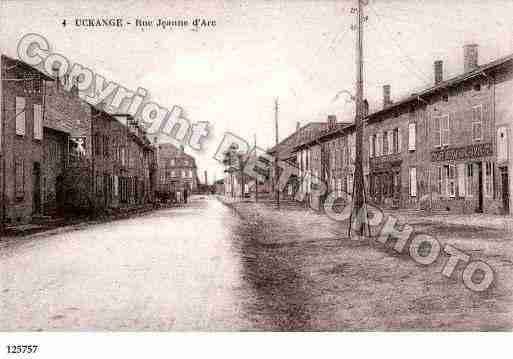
(254, 166)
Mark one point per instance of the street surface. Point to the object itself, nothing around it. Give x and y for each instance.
(208, 266)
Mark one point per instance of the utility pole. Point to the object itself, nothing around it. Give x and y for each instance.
(276, 177)
(359, 212)
(2, 154)
(256, 177)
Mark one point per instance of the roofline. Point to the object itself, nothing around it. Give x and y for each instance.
(45, 76)
(272, 149)
(325, 137)
(454, 81)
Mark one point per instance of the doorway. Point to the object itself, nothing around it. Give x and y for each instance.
(505, 189)
(479, 187)
(36, 188)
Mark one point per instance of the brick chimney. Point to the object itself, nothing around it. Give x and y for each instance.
(386, 95)
(439, 71)
(470, 57)
(298, 126)
(332, 121)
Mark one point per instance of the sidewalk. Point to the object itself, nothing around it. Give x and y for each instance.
(52, 223)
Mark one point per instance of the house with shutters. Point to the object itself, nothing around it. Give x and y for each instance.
(22, 143)
(443, 148)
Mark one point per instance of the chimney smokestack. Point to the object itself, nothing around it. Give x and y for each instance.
(386, 95)
(470, 57)
(332, 121)
(298, 126)
(439, 71)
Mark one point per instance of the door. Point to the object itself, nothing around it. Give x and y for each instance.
(36, 188)
(479, 188)
(505, 189)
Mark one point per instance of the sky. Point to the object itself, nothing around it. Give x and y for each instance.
(301, 52)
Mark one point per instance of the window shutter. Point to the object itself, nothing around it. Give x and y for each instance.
(399, 140)
(461, 179)
(20, 115)
(413, 182)
(412, 136)
(437, 131)
(445, 130)
(38, 122)
(378, 144)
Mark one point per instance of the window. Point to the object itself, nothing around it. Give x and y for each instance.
(469, 180)
(173, 173)
(488, 179)
(413, 182)
(190, 173)
(184, 174)
(374, 145)
(20, 116)
(477, 123)
(19, 179)
(461, 180)
(451, 180)
(371, 148)
(412, 133)
(38, 122)
(172, 162)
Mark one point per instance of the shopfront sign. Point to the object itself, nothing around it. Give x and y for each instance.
(463, 153)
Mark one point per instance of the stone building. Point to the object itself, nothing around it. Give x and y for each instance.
(177, 171)
(437, 149)
(328, 158)
(22, 146)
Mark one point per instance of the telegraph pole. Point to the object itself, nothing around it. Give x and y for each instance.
(256, 177)
(276, 178)
(359, 212)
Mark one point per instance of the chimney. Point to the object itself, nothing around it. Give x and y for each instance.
(74, 86)
(298, 126)
(55, 72)
(439, 71)
(365, 108)
(386, 95)
(332, 121)
(470, 57)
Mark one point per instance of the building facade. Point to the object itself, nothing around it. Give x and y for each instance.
(439, 149)
(177, 171)
(22, 146)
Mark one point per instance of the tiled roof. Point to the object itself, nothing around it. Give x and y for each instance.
(457, 80)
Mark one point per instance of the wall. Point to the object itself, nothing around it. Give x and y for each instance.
(503, 97)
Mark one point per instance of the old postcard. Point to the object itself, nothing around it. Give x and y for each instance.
(263, 166)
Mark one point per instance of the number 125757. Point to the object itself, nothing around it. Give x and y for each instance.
(21, 349)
